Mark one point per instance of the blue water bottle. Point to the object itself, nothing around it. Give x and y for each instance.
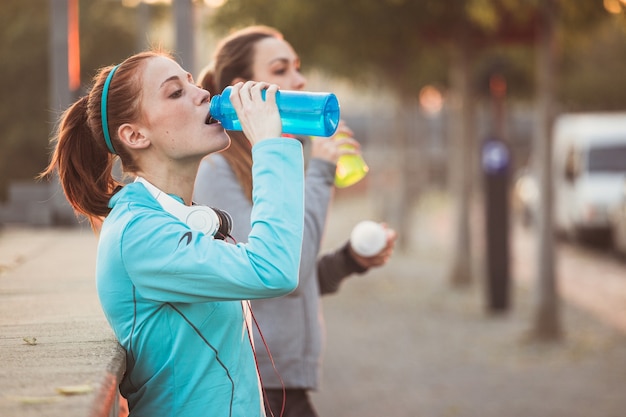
(301, 112)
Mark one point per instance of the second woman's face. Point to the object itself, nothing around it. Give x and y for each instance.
(276, 62)
(175, 111)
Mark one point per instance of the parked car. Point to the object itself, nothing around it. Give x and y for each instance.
(618, 225)
(589, 166)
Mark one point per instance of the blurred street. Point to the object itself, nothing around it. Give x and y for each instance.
(400, 340)
(403, 342)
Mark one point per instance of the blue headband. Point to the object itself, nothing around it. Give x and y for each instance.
(103, 110)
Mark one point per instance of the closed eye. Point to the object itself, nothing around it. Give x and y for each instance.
(177, 94)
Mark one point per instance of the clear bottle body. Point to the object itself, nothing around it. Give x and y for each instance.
(301, 112)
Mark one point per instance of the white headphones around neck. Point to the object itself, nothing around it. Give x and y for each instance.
(212, 222)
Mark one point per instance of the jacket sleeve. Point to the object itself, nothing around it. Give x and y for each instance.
(187, 266)
(317, 196)
(334, 267)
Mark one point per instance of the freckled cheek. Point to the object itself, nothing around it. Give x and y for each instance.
(169, 140)
(174, 143)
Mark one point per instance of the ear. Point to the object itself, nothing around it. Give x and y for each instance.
(132, 136)
(237, 80)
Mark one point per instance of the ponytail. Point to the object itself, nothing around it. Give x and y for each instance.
(84, 167)
(84, 155)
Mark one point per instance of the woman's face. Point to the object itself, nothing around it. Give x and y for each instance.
(174, 112)
(276, 62)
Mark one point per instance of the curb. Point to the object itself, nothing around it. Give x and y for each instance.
(108, 402)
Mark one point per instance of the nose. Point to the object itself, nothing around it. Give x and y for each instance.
(203, 95)
(299, 81)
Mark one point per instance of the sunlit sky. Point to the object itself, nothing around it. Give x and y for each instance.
(134, 3)
(614, 6)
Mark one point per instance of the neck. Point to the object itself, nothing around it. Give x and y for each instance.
(179, 185)
(172, 176)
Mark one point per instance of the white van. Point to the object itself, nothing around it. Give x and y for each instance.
(589, 166)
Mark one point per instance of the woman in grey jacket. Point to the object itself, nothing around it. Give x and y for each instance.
(290, 325)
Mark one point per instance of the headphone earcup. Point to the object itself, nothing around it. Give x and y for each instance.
(203, 218)
(225, 224)
(210, 221)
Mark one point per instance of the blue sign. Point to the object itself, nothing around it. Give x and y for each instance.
(495, 156)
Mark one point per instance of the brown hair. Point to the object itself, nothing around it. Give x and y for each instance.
(233, 59)
(81, 156)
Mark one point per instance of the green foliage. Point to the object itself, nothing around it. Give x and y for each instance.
(26, 120)
(403, 42)
(23, 109)
(108, 35)
(592, 70)
(353, 39)
(406, 43)
(513, 62)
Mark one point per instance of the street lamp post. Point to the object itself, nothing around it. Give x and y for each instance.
(184, 24)
(60, 94)
(62, 88)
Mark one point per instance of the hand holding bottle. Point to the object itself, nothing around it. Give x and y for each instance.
(351, 168)
(258, 114)
(332, 149)
(301, 112)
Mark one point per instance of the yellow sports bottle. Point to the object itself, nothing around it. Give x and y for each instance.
(350, 168)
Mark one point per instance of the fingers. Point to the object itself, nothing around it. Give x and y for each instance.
(332, 149)
(235, 95)
(382, 257)
(252, 91)
(347, 142)
(343, 130)
(344, 139)
(392, 235)
(326, 149)
(255, 104)
(270, 91)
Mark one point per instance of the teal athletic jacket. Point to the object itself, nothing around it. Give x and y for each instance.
(173, 295)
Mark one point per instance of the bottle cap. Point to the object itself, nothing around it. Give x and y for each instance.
(368, 238)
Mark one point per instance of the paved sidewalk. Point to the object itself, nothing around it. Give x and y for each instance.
(56, 348)
(402, 342)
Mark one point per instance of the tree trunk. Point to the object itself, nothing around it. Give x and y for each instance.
(399, 198)
(184, 23)
(461, 173)
(61, 96)
(546, 324)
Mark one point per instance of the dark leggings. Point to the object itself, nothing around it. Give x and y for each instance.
(297, 403)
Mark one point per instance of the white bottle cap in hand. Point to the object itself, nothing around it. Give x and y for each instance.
(368, 238)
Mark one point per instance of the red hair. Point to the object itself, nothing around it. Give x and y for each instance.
(80, 155)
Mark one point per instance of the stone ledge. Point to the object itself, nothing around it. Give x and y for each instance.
(53, 334)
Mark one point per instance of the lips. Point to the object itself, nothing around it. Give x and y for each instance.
(210, 120)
